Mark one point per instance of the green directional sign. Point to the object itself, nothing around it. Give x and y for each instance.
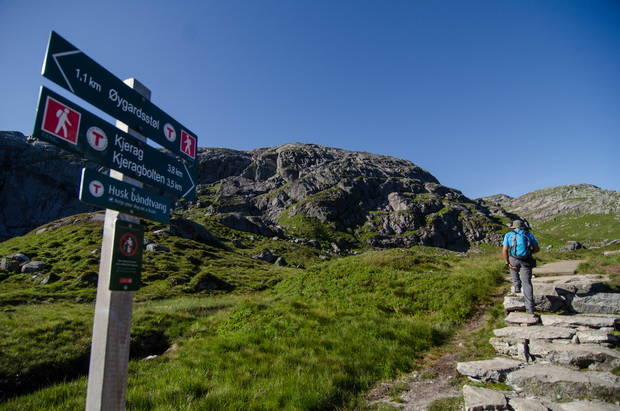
(106, 192)
(70, 68)
(126, 266)
(72, 128)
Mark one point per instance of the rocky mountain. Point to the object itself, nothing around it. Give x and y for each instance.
(38, 183)
(303, 191)
(569, 199)
(324, 193)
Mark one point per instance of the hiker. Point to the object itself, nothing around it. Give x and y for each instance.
(517, 249)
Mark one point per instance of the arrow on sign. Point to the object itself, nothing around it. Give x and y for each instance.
(106, 192)
(70, 68)
(56, 56)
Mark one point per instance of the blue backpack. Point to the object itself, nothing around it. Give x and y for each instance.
(520, 246)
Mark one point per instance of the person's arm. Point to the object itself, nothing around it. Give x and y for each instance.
(505, 254)
(535, 248)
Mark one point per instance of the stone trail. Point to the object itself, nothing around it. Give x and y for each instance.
(558, 362)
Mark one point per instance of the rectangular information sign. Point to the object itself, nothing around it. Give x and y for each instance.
(126, 267)
(72, 128)
(70, 68)
(106, 192)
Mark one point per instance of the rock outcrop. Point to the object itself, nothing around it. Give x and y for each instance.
(323, 193)
(40, 183)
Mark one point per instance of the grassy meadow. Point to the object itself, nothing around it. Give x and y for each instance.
(265, 338)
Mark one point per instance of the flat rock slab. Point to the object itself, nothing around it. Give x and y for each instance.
(511, 347)
(488, 370)
(576, 355)
(565, 279)
(522, 318)
(579, 320)
(479, 399)
(526, 404)
(512, 304)
(560, 382)
(602, 303)
(581, 286)
(536, 332)
(542, 302)
(589, 406)
(560, 267)
(597, 337)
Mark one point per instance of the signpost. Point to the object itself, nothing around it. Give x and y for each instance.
(72, 128)
(109, 359)
(127, 155)
(102, 191)
(70, 68)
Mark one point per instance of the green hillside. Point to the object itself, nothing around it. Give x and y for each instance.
(233, 332)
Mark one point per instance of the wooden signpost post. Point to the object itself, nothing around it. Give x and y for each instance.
(109, 357)
(131, 162)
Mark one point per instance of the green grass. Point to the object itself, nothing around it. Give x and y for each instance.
(447, 404)
(591, 230)
(315, 339)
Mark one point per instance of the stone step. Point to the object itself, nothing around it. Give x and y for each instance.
(589, 406)
(522, 319)
(580, 321)
(479, 398)
(599, 303)
(575, 284)
(562, 383)
(599, 337)
(539, 332)
(560, 267)
(592, 357)
(494, 370)
(517, 348)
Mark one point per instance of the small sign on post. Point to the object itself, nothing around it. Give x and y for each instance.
(126, 256)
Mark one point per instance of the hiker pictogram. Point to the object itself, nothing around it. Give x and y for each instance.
(61, 121)
(188, 144)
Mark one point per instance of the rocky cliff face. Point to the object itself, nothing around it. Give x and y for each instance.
(38, 183)
(324, 193)
(295, 190)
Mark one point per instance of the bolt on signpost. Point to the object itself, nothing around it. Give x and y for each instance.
(131, 162)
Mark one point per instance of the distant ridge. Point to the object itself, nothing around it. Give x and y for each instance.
(561, 200)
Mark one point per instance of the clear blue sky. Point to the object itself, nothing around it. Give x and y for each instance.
(490, 96)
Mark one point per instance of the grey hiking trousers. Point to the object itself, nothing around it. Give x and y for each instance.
(522, 280)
